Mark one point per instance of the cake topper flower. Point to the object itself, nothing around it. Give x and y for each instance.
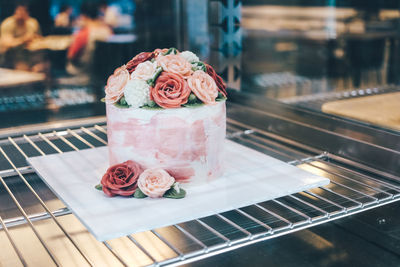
(139, 58)
(121, 179)
(203, 86)
(170, 90)
(175, 64)
(115, 85)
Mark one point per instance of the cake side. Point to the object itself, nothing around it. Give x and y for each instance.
(187, 142)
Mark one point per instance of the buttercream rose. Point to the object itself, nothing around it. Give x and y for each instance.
(175, 64)
(170, 91)
(144, 70)
(121, 179)
(139, 58)
(218, 80)
(155, 182)
(115, 85)
(203, 86)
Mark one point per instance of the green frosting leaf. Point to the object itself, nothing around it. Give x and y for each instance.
(121, 103)
(175, 192)
(103, 100)
(192, 98)
(139, 194)
(152, 106)
(199, 66)
(194, 105)
(99, 187)
(172, 50)
(220, 97)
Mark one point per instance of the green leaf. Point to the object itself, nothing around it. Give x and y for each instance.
(198, 66)
(192, 98)
(152, 106)
(220, 97)
(121, 103)
(175, 192)
(172, 50)
(194, 105)
(99, 187)
(139, 193)
(103, 100)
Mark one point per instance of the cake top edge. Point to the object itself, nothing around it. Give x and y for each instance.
(164, 79)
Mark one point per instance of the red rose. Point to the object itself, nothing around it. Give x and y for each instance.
(170, 91)
(218, 80)
(139, 58)
(121, 179)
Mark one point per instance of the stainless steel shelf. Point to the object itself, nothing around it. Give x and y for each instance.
(37, 229)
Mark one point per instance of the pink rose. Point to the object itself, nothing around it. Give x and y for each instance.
(155, 182)
(144, 70)
(121, 179)
(170, 90)
(175, 64)
(115, 85)
(203, 86)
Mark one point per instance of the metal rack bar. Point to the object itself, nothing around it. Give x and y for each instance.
(21, 258)
(142, 249)
(120, 259)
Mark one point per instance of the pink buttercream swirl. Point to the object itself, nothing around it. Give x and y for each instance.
(203, 86)
(155, 182)
(170, 90)
(115, 85)
(121, 179)
(175, 64)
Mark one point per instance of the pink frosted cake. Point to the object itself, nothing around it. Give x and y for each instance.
(166, 109)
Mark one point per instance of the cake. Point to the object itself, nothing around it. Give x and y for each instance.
(166, 109)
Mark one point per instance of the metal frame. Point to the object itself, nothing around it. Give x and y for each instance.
(354, 188)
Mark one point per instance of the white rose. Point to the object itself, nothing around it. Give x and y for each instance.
(144, 71)
(137, 93)
(189, 56)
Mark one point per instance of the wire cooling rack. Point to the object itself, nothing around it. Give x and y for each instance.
(37, 229)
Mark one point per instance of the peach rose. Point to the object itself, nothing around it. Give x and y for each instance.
(144, 70)
(203, 86)
(175, 64)
(170, 90)
(155, 182)
(115, 85)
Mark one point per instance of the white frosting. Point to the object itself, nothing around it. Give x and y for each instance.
(137, 93)
(189, 56)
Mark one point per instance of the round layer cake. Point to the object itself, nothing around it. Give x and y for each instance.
(188, 142)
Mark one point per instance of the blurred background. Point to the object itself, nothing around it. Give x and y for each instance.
(56, 55)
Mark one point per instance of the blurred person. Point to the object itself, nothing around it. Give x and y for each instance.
(16, 32)
(63, 19)
(80, 53)
(108, 14)
(19, 29)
